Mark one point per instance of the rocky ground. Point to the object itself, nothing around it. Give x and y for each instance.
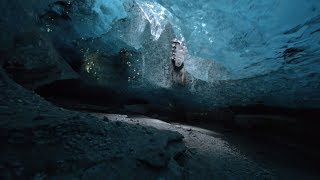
(42, 141)
(216, 152)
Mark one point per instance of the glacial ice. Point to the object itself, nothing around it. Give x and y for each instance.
(260, 50)
(246, 37)
(242, 35)
(109, 12)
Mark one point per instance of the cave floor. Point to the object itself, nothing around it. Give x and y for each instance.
(217, 152)
(42, 141)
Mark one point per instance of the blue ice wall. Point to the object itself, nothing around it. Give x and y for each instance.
(236, 52)
(249, 37)
(247, 51)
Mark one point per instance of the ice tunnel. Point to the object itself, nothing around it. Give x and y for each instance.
(234, 51)
(164, 89)
(230, 52)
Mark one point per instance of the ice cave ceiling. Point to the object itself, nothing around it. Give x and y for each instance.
(234, 51)
(272, 47)
(247, 37)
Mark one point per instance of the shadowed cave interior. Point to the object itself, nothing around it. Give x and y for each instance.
(129, 89)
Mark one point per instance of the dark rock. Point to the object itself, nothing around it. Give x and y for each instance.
(34, 62)
(40, 117)
(118, 123)
(106, 119)
(154, 159)
(141, 109)
(74, 117)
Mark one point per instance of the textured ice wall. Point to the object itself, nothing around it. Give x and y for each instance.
(109, 12)
(238, 51)
(248, 37)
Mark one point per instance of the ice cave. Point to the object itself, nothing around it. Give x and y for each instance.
(159, 89)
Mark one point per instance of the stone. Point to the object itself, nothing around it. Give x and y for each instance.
(34, 62)
(141, 109)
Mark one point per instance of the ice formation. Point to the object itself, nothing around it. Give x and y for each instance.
(269, 49)
(234, 52)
